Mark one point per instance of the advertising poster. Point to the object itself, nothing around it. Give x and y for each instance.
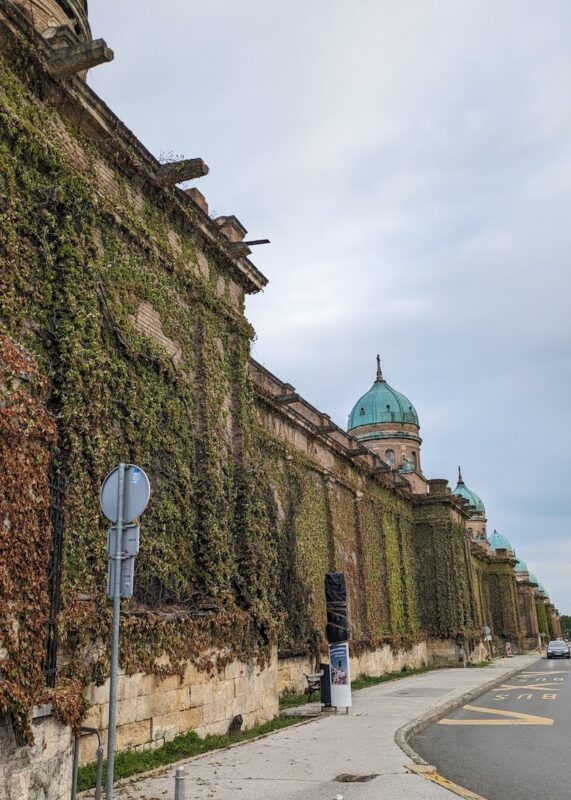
(340, 675)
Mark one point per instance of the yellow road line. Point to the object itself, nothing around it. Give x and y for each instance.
(512, 718)
(453, 787)
(434, 777)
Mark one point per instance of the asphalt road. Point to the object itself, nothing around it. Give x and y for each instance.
(513, 743)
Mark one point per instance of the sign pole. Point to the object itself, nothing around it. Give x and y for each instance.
(115, 633)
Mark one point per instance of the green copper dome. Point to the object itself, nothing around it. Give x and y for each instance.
(462, 490)
(382, 403)
(533, 579)
(499, 542)
(521, 566)
(542, 589)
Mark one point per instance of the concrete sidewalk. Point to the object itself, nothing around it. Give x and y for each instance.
(303, 761)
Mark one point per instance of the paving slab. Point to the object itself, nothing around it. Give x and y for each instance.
(304, 760)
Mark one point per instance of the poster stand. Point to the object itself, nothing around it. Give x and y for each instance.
(340, 676)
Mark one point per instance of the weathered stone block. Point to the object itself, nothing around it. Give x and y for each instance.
(235, 669)
(252, 702)
(96, 695)
(133, 734)
(167, 684)
(223, 690)
(214, 728)
(242, 686)
(191, 719)
(126, 711)
(165, 727)
(201, 695)
(215, 711)
(144, 709)
(88, 749)
(144, 685)
(168, 702)
(270, 700)
(193, 676)
(93, 718)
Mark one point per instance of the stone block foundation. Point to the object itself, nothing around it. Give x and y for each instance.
(374, 663)
(152, 711)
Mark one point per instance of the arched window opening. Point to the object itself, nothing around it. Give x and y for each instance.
(390, 457)
(414, 460)
(362, 412)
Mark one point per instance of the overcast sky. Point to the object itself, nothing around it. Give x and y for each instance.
(411, 163)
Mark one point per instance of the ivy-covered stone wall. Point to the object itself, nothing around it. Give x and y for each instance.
(503, 599)
(88, 242)
(342, 521)
(443, 569)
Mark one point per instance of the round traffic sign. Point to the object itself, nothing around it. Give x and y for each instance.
(137, 490)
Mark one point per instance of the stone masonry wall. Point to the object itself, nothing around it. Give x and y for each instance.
(292, 671)
(41, 772)
(152, 711)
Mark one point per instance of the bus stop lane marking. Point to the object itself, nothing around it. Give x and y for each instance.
(511, 718)
(536, 688)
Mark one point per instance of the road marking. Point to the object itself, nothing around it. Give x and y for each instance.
(551, 672)
(541, 688)
(431, 775)
(513, 718)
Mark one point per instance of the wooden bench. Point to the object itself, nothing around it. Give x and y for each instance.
(313, 684)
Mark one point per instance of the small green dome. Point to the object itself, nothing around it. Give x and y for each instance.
(499, 542)
(462, 490)
(542, 589)
(533, 579)
(521, 566)
(382, 403)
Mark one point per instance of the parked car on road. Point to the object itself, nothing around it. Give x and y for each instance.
(558, 649)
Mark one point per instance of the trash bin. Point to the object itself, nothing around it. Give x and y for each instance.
(325, 685)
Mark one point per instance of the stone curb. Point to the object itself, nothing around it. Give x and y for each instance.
(409, 729)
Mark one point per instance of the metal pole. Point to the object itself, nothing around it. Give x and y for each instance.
(179, 784)
(99, 780)
(75, 768)
(115, 635)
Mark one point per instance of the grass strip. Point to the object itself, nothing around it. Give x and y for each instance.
(189, 744)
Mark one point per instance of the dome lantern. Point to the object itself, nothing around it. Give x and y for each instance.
(474, 501)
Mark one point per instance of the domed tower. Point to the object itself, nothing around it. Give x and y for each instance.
(47, 16)
(477, 523)
(521, 571)
(499, 542)
(385, 421)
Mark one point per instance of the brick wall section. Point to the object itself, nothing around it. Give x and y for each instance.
(148, 322)
(43, 13)
(152, 711)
